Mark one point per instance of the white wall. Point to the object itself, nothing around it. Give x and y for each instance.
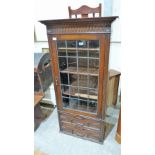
(47, 9)
(114, 58)
(39, 45)
(115, 48)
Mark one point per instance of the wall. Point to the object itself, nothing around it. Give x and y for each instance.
(115, 48)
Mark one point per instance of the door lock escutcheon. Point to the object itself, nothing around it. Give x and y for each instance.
(56, 81)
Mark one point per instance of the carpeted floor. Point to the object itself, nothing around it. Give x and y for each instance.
(49, 140)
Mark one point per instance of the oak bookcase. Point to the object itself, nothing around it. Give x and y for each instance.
(79, 50)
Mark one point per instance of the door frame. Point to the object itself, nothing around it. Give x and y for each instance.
(56, 74)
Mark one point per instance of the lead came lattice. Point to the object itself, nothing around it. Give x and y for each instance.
(79, 71)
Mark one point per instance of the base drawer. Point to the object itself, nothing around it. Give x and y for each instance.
(81, 120)
(81, 126)
(80, 131)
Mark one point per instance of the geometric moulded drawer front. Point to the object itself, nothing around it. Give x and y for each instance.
(81, 126)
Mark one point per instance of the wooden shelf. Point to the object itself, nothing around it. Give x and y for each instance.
(83, 83)
(81, 71)
(81, 107)
(79, 49)
(74, 92)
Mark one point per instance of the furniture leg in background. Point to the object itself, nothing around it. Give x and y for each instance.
(113, 85)
(118, 133)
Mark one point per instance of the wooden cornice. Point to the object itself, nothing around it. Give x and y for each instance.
(79, 25)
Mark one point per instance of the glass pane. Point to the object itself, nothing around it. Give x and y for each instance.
(93, 94)
(83, 105)
(94, 48)
(61, 52)
(82, 65)
(65, 101)
(74, 91)
(82, 53)
(93, 82)
(82, 44)
(73, 79)
(64, 78)
(71, 52)
(83, 93)
(64, 95)
(93, 43)
(94, 66)
(72, 64)
(79, 73)
(83, 81)
(94, 54)
(62, 63)
(61, 44)
(71, 48)
(94, 63)
(73, 102)
(92, 106)
(71, 44)
(61, 48)
(65, 90)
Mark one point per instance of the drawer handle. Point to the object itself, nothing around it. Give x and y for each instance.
(76, 116)
(79, 117)
(81, 125)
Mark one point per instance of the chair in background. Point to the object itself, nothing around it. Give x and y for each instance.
(84, 11)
